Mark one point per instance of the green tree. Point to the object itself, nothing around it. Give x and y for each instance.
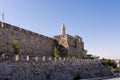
(15, 47)
(111, 64)
(56, 52)
(69, 54)
(84, 53)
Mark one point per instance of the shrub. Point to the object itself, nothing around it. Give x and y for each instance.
(85, 52)
(69, 54)
(15, 47)
(56, 52)
(111, 64)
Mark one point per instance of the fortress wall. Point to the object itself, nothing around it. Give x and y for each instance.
(29, 42)
(75, 45)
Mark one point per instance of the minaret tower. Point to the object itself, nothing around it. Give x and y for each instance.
(63, 31)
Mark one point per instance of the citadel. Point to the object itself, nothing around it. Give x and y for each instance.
(37, 61)
(36, 44)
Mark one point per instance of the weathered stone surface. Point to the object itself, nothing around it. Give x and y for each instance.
(51, 70)
(33, 44)
(29, 42)
(70, 43)
(36, 44)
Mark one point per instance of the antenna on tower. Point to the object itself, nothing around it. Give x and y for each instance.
(3, 16)
(2, 24)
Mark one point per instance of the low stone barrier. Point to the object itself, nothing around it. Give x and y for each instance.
(28, 58)
(49, 68)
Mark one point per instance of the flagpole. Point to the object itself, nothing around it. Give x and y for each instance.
(3, 19)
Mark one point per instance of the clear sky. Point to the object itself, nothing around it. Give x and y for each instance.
(96, 21)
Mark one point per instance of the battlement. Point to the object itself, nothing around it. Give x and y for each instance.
(78, 38)
(28, 32)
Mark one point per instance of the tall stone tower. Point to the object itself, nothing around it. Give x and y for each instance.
(63, 32)
(66, 42)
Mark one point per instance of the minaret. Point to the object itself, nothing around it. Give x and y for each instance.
(63, 32)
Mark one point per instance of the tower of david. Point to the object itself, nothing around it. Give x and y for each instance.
(31, 43)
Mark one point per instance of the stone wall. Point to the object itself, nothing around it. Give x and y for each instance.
(61, 44)
(62, 40)
(35, 67)
(36, 44)
(29, 42)
(52, 69)
(73, 44)
(76, 45)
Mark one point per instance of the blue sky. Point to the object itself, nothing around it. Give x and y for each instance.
(96, 21)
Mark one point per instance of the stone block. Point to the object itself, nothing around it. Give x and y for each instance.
(36, 58)
(17, 58)
(27, 58)
(50, 58)
(43, 58)
(60, 59)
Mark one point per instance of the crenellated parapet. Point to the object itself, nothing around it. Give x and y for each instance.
(15, 28)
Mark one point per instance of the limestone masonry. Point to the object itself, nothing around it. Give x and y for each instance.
(61, 69)
(35, 60)
(36, 44)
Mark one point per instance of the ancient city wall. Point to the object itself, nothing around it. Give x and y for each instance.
(30, 65)
(49, 68)
(29, 42)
